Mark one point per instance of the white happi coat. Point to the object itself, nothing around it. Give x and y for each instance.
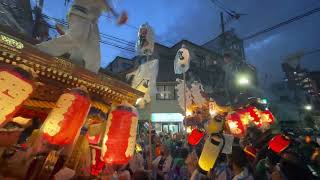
(81, 40)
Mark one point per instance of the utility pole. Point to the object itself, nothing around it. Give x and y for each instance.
(38, 17)
(223, 39)
(222, 22)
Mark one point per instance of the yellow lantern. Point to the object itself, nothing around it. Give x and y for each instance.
(16, 87)
(210, 152)
(215, 125)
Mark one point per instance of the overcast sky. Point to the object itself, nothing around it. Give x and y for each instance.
(198, 21)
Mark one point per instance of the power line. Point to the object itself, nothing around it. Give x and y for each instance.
(291, 20)
(311, 52)
(66, 24)
(110, 37)
(109, 44)
(117, 46)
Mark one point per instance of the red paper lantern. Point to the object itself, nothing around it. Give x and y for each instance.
(195, 136)
(249, 115)
(254, 112)
(64, 122)
(235, 124)
(16, 87)
(279, 143)
(267, 117)
(120, 135)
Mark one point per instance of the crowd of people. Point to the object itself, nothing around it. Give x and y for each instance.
(251, 159)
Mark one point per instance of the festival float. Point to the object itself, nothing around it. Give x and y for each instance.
(213, 127)
(68, 110)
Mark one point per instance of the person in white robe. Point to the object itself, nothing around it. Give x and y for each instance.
(81, 39)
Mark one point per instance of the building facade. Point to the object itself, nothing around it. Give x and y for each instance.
(206, 67)
(227, 42)
(304, 84)
(120, 64)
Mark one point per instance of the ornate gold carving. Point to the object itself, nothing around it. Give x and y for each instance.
(64, 64)
(11, 42)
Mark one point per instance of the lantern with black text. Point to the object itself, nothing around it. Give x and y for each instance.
(120, 135)
(16, 86)
(279, 143)
(64, 122)
(182, 61)
(195, 136)
(210, 152)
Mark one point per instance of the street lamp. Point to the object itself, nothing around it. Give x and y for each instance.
(308, 107)
(243, 80)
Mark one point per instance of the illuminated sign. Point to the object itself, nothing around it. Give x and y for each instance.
(167, 117)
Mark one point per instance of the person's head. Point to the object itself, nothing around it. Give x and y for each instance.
(238, 159)
(183, 153)
(164, 150)
(140, 175)
(272, 159)
(308, 139)
(167, 137)
(293, 167)
(222, 158)
(179, 144)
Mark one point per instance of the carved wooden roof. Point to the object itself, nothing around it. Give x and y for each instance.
(59, 74)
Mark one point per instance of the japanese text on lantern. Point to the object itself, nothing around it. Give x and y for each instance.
(13, 91)
(52, 124)
(11, 42)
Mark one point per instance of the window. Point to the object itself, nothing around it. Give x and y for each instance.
(201, 59)
(126, 66)
(166, 92)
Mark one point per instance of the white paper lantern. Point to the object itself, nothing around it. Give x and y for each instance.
(145, 42)
(182, 61)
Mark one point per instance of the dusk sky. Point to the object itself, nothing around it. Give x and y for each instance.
(198, 21)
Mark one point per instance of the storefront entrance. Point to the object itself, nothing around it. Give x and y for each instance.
(167, 122)
(170, 127)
